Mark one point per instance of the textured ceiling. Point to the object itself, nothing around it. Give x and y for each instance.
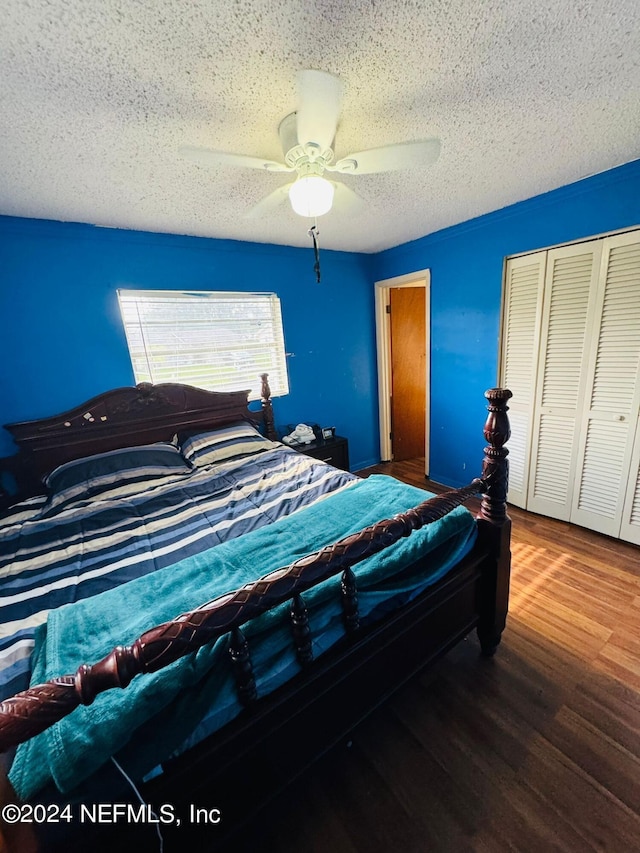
(97, 98)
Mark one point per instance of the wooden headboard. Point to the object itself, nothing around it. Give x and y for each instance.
(123, 417)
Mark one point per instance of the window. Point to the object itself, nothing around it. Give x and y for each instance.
(214, 340)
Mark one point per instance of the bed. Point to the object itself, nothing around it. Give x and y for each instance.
(248, 597)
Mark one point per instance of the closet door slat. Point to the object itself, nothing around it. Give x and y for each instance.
(612, 398)
(522, 309)
(567, 318)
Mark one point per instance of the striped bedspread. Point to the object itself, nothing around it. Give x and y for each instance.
(98, 545)
(167, 711)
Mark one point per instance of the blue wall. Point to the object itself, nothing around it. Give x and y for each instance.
(466, 263)
(62, 339)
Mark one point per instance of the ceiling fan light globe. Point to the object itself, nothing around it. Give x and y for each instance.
(311, 196)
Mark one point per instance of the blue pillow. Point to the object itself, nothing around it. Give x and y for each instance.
(106, 473)
(239, 439)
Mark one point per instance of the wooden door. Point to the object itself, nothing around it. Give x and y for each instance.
(408, 372)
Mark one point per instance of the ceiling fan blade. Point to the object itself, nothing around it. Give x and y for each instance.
(319, 99)
(345, 200)
(211, 157)
(269, 203)
(390, 158)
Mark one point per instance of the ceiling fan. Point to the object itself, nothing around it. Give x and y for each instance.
(307, 138)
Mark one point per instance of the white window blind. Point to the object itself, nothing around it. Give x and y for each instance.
(215, 340)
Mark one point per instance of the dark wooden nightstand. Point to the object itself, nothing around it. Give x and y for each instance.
(334, 451)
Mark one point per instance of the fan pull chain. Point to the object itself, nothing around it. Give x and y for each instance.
(314, 233)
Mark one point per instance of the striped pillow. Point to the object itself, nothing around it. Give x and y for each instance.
(239, 439)
(24, 511)
(93, 476)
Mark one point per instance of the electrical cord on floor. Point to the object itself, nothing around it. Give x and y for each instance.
(143, 802)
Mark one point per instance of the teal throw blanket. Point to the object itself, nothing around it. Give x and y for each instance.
(151, 718)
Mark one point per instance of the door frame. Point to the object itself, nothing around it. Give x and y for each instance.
(421, 278)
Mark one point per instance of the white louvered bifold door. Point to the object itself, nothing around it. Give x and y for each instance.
(524, 282)
(630, 527)
(567, 317)
(611, 402)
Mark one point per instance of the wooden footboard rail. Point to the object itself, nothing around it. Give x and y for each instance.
(35, 709)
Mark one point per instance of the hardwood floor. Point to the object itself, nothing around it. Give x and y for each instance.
(537, 749)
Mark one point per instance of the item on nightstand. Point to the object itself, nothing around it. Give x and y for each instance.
(328, 433)
(302, 434)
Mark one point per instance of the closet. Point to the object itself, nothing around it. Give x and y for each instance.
(570, 353)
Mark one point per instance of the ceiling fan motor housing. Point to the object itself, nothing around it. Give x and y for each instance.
(300, 156)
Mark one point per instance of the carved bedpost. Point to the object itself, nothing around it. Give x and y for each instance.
(494, 525)
(267, 408)
(495, 466)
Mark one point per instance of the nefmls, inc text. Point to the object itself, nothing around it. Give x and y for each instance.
(106, 813)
